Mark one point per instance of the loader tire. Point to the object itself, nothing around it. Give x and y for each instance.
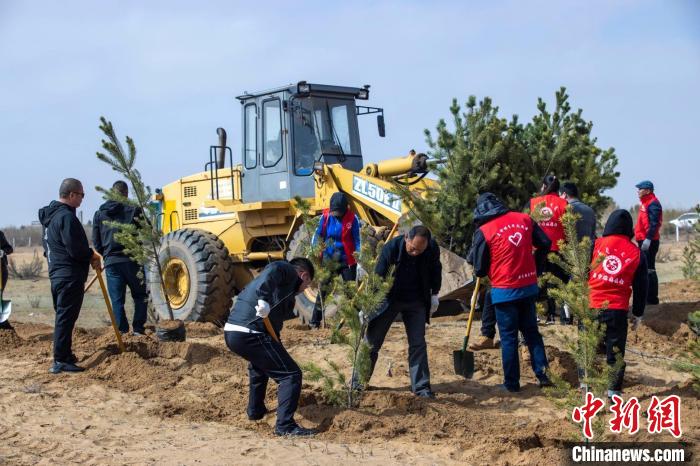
(198, 276)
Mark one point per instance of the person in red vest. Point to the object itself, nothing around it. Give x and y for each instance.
(547, 209)
(646, 232)
(502, 249)
(618, 271)
(339, 229)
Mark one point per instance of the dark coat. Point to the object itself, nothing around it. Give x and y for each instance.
(103, 234)
(429, 270)
(66, 246)
(585, 226)
(7, 249)
(277, 284)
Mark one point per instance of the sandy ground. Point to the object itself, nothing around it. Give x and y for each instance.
(184, 403)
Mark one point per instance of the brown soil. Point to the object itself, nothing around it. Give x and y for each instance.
(200, 383)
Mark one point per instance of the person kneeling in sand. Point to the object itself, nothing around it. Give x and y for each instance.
(270, 296)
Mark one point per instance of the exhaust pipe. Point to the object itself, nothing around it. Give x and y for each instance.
(221, 159)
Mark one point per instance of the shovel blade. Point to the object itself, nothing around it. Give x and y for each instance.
(464, 363)
(5, 310)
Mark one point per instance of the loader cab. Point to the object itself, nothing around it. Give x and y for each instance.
(286, 130)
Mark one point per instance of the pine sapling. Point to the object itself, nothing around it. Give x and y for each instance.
(357, 304)
(594, 373)
(142, 239)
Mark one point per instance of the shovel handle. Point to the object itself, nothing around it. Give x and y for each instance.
(270, 330)
(118, 334)
(475, 294)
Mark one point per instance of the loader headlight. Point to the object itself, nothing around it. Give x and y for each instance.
(318, 167)
(363, 94)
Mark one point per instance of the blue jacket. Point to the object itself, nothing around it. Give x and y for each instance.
(334, 230)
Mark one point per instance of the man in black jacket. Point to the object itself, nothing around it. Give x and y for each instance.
(270, 296)
(415, 258)
(5, 250)
(121, 271)
(69, 257)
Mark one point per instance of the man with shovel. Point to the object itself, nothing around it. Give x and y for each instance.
(253, 330)
(120, 269)
(69, 256)
(502, 250)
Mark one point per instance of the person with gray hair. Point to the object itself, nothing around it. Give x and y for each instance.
(69, 257)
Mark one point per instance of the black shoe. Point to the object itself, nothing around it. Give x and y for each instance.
(550, 320)
(257, 417)
(139, 333)
(72, 359)
(296, 431)
(426, 394)
(544, 382)
(59, 367)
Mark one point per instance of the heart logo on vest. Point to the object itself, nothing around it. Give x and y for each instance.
(612, 265)
(515, 238)
(546, 213)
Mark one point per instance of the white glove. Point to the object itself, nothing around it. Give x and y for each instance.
(434, 304)
(646, 244)
(262, 309)
(635, 322)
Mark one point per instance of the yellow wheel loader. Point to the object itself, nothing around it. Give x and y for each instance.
(224, 224)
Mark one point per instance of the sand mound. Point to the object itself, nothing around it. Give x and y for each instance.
(202, 329)
(9, 340)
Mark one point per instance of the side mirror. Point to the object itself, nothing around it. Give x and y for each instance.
(380, 125)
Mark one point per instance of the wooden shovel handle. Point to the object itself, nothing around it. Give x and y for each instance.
(270, 330)
(118, 334)
(475, 294)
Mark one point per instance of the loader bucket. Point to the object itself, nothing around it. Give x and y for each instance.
(457, 284)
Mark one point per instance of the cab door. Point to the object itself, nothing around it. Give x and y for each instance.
(273, 150)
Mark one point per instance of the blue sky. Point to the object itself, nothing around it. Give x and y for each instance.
(166, 73)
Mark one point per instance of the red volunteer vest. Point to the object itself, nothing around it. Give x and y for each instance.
(642, 226)
(509, 238)
(611, 280)
(345, 236)
(550, 214)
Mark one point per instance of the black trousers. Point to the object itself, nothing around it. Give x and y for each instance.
(413, 314)
(67, 297)
(558, 272)
(653, 290)
(488, 317)
(615, 322)
(348, 273)
(268, 360)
